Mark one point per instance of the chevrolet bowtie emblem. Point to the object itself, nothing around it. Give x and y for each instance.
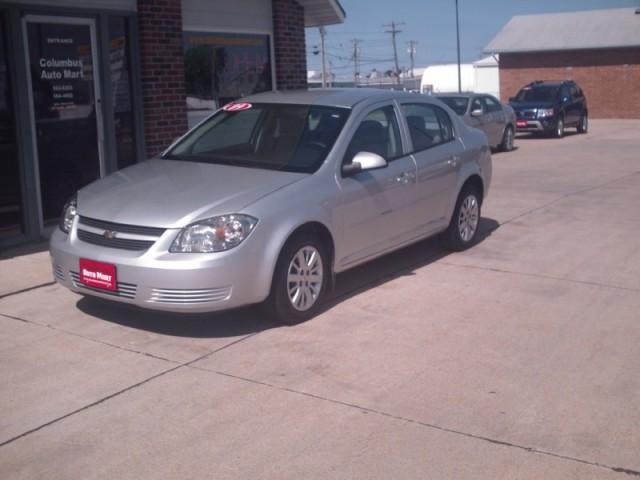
(109, 234)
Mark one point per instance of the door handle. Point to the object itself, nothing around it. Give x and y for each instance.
(405, 177)
(453, 161)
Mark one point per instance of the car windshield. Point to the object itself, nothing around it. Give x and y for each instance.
(538, 94)
(457, 104)
(292, 138)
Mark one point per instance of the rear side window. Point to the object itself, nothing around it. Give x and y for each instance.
(428, 125)
(377, 133)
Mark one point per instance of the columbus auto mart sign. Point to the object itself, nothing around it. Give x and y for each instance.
(61, 69)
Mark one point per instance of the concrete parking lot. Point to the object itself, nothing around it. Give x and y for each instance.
(516, 359)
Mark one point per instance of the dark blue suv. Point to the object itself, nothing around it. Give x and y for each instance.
(550, 107)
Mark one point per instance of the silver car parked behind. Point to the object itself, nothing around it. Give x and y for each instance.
(488, 114)
(268, 198)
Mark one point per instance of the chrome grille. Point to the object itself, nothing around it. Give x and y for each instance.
(528, 114)
(117, 235)
(120, 243)
(167, 295)
(125, 290)
(121, 227)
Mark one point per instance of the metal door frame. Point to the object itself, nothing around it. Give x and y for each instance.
(91, 23)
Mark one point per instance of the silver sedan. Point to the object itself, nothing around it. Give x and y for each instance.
(267, 199)
(486, 113)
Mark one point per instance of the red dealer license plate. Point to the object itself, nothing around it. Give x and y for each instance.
(521, 123)
(97, 274)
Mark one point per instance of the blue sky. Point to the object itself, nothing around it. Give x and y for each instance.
(432, 24)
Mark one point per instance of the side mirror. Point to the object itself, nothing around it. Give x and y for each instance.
(476, 113)
(364, 161)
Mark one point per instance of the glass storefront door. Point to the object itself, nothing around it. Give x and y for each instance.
(11, 210)
(66, 109)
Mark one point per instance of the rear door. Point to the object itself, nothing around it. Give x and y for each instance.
(437, 153)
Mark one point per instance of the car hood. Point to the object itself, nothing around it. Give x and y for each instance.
(530, 105)
(172, 194)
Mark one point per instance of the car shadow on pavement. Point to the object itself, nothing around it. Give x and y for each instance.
(247, 320)
(539, 136)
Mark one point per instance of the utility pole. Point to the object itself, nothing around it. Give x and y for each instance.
(356, 60)
(323, 33)
(412, 53)
(458, 45)
(393, 30)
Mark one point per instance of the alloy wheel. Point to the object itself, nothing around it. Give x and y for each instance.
(305, 278)
(468, 218)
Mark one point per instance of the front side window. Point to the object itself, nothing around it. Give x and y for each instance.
(491, 105)
(292, 138)
(428, 125)
(377, 133)
(477, 105)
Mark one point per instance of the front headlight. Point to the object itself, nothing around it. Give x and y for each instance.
(69, 212)
(214, 234)
(545, 112)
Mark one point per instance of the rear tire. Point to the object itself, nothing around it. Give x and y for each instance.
(507, 139)
(463, 229)
(300, 281)
(583, 126)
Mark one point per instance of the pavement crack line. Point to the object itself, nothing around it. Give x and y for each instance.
(381, 413)
(94, 340)
(541, 276)
(124, 390)
(28, 289)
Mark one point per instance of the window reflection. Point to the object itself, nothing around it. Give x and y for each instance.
(10, 192)
(221, 67)
(120, 65)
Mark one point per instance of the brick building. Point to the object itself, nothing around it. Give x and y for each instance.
(88, 87)
(599, 49)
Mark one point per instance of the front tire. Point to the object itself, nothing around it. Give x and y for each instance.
(559, 130)
(463, 228)
(507, 139)
(300, 281)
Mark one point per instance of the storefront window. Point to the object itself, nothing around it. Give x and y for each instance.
(64, 93)
(221, 67)
(120, 65)
(11, 213)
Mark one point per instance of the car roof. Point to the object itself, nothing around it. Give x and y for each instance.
(550, 84)
(456, 94)
(331, 97)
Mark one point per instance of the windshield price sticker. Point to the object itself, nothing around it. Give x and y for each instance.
(236, 107)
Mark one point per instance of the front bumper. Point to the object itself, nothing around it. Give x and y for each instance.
(528, 125)
(174, 282)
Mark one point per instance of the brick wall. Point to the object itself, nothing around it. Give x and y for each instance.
(162, 68)
(610, 78)
(289, 45)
